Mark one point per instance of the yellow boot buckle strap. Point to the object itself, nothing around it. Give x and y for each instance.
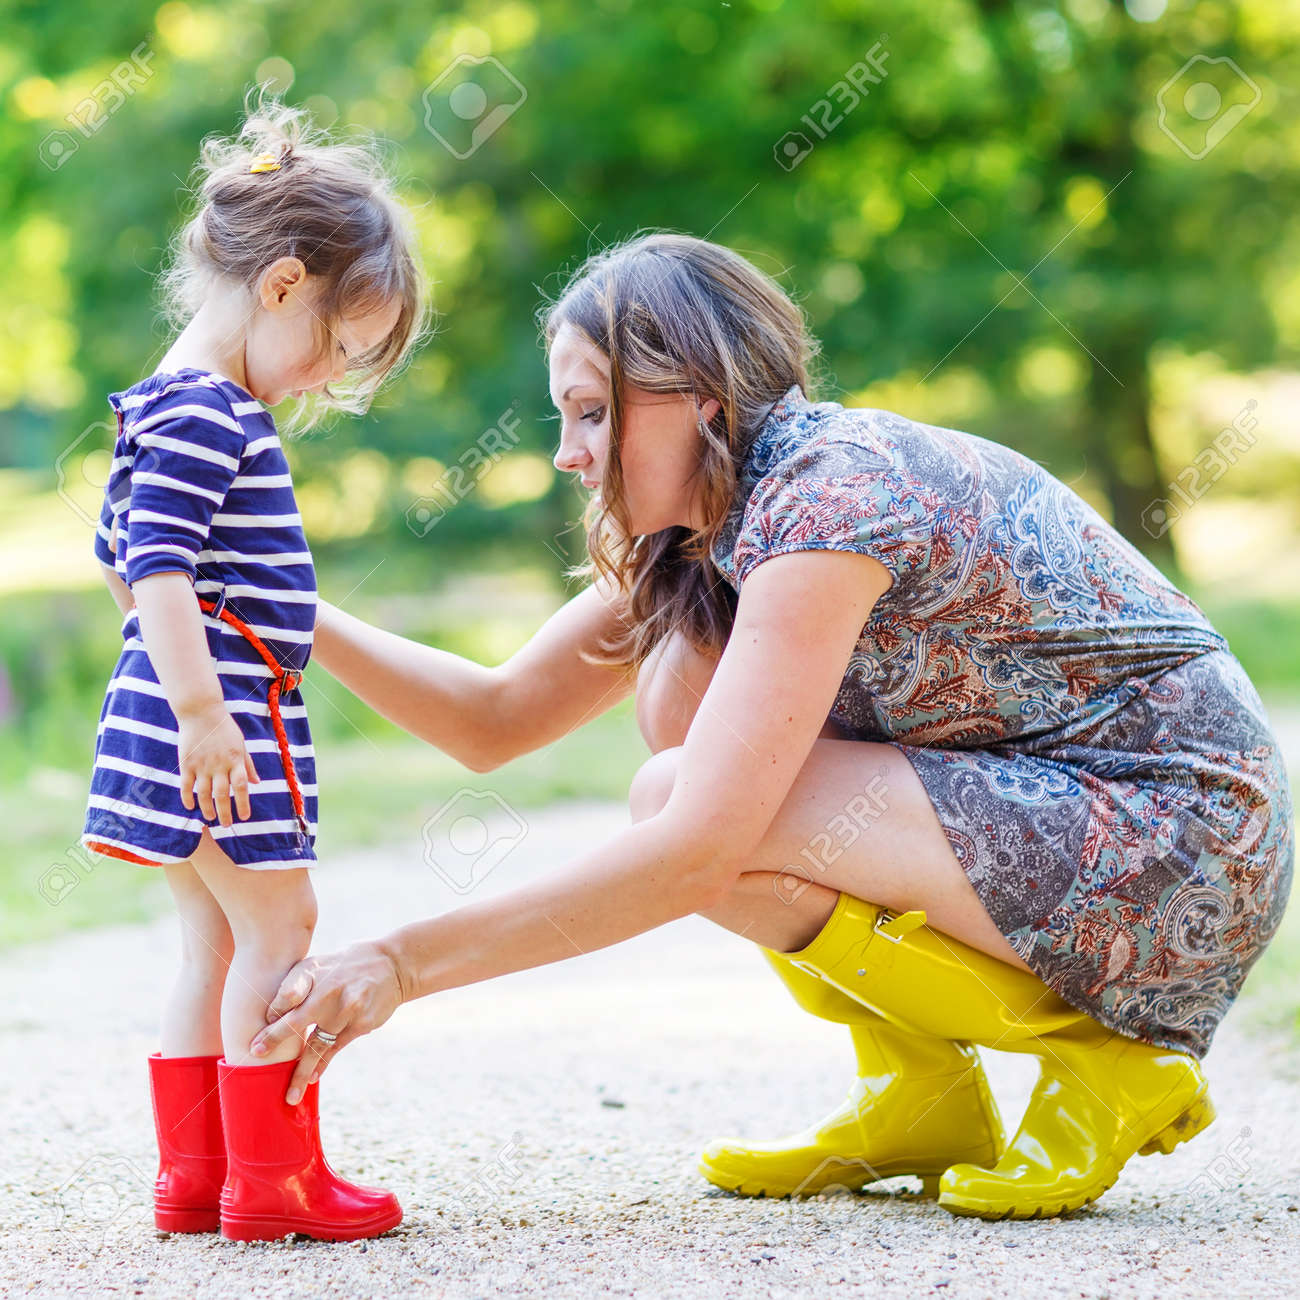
(894, 926)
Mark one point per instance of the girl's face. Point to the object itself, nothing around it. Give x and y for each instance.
(660, 453)
(282, 355)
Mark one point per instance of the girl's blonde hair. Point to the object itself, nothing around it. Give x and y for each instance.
(330, 205)
(675, 314)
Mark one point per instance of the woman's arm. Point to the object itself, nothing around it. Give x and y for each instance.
(481, 716)
(798, 619)
(214, 762)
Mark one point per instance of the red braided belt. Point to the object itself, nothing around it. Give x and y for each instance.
(282, 679)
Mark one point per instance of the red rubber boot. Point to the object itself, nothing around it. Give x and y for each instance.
(191, 1147)
(278, 1180)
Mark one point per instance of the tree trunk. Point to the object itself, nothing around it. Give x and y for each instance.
(1117, 435)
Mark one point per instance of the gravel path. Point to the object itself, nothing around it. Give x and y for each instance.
(541, 1132)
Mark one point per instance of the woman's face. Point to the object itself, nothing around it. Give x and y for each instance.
(282, 355)
(661, 437)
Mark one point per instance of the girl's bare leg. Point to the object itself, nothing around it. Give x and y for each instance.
(272, 915)
(191, 1022)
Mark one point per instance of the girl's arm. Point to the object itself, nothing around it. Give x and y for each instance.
(481, 716)
(118, 589)
(214, 762)
(188, 449)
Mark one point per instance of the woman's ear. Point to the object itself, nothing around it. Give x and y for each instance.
(708, 409)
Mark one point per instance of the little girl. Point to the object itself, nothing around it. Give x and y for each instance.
(298, 268)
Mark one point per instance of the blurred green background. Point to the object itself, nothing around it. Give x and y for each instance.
(1062, 226)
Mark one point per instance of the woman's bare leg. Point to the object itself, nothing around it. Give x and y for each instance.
(272, 915)
(857, 819)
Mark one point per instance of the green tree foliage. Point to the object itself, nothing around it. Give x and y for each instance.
(1000, 205)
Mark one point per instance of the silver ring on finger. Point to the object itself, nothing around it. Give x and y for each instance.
(325, 1036)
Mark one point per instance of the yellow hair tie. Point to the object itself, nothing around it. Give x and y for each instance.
(265, 162)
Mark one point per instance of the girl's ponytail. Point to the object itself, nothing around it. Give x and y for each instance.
(280, 187)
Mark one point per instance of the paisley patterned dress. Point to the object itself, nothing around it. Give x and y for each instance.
(1100, 762)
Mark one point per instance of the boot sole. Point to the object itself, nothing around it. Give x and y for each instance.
(174, 1220)
(739, 1185)
(1193, 1119)
(273, 1227)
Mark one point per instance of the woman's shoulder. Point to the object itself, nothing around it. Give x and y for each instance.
(829, 440)
(823, 476)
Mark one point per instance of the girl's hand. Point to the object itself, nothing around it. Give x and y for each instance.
(347, 995)
(215, 764)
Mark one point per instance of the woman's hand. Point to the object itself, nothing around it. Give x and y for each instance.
(346, 994)
(215, 764)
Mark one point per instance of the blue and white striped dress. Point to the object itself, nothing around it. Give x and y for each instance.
(199, 484)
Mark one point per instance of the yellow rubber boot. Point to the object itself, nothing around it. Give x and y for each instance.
(1101, 1096)
(919, 1105)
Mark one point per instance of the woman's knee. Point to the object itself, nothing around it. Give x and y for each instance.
(669, 686)
(653, 784)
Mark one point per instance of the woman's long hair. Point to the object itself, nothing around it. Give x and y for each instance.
(675, 314)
